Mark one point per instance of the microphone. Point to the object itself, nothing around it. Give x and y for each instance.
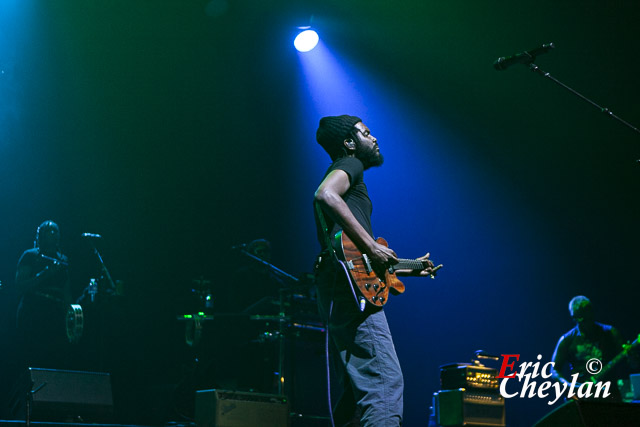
(91, 236)
(526, 57)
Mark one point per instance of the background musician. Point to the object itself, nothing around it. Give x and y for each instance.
(42, 291)
(588, 340)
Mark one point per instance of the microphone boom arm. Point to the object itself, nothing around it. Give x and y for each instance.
(278, 273)
(533, 67)
(103, 267)
(528, 58)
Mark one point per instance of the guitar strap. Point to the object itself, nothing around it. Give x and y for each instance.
(325, 231)
(331, 250)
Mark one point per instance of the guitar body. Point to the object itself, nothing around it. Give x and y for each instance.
(371, 284)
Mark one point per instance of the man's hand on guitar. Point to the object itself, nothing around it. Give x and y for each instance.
(430, 269)
(382, 255)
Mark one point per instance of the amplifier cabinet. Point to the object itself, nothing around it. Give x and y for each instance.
(469, 408)
(65, 395)
(223, 408)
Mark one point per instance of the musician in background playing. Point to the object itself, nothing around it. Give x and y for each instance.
(372, 383)
(43, 293)
(587, 340)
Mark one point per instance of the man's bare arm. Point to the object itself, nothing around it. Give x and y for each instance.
(329, 195)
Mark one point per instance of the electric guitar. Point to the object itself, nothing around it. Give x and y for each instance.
(613, 362)
(372, 283)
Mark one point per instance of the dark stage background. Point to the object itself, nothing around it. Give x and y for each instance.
(177, 129)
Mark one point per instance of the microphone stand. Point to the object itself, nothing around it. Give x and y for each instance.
(278, 273)
(94, 291)
(282, 277)
(103, 267)
(92, 288)
(533, 67)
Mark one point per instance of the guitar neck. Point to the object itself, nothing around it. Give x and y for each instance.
(614, 361)
(409, 264)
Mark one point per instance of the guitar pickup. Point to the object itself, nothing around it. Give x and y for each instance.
(367, 264)
(350, 265)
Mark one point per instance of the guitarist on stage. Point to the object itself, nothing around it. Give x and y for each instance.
(371, 379)
(43, 292)
(38, 303)
(587, 340)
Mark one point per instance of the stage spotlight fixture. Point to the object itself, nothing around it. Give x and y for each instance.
(306, 40)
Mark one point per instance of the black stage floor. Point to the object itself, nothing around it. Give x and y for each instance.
(15, 423)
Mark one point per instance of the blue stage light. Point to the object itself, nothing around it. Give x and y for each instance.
(306, 40)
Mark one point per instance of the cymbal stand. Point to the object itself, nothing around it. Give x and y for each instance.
(282, 277)
(281, 343)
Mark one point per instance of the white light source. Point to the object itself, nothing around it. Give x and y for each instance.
(306, 40)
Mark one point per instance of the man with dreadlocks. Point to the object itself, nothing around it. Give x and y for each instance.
(371, 378)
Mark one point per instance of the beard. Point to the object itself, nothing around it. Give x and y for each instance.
(369, 156)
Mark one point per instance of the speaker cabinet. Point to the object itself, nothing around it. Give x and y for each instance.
(221, 408)
(64, 395)
(468, 408)
(590, 413)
